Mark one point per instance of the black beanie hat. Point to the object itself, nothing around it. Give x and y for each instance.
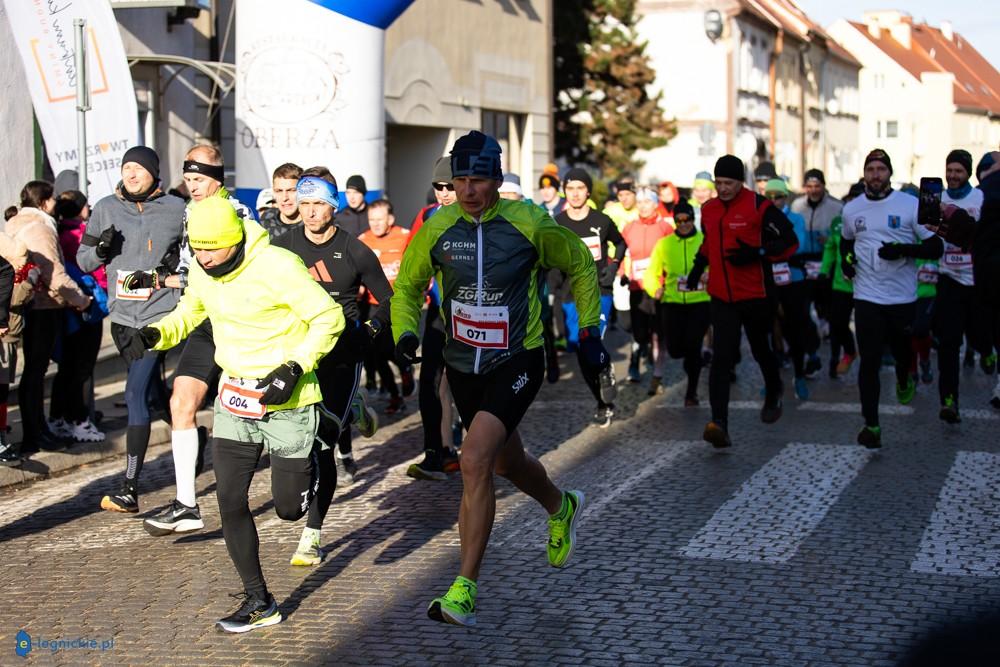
(357, 182)
(962, 157)
(814, 174)
(879, 155)
(764, 171)
(684, 207)
(730, 166)
(145, 157)
(577, 174)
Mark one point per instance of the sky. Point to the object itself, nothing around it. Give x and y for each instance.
(978, 21)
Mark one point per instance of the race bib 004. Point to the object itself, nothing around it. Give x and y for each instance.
(241, 398)
(142, 294)
(485, 327)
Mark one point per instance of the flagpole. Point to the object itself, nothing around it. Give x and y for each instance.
(82, 100)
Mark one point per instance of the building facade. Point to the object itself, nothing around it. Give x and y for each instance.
(755, 78)
(924, 92)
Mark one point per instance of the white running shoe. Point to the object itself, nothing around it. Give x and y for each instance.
(60, 429)
(308, 551)
(85, 431)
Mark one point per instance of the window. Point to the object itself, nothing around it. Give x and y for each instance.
(891, 129)
(878, 129)
(508, 129)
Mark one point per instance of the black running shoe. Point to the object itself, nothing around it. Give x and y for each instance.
(406, 379)
(8, 454)
(949, 411)
(178, 518)
(813, 366)
(770, 412)
(255, 612)
(126, 500)
(431, 468)
(603, 416)
(199, 466)
(716, 434)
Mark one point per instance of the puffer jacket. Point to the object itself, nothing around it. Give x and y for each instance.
(37, 230)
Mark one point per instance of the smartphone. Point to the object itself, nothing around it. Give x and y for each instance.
(929, 211)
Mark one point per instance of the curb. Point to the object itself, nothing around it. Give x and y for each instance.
(51, 464)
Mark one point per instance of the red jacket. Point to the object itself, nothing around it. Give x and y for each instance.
(641, 236)
(752, 219)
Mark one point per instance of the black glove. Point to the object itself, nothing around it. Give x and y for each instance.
(406, 349)
(108, 244)
(280, 383)
(847, 266)
(139, 280)
(608, 272)
(592, 351)
(171, 259)
(141, 341)
(744, 255)
(694, 277)
(624, 281)
(892, 251)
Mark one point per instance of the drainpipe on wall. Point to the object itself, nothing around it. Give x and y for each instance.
(803, 104)
(772, 87)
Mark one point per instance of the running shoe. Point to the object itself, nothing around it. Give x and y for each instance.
(396, 404)
(813, 365)
(608, 385)
(832, 372)
(949, 411)
(178, 518)
(926, 374)
(406, 380)
(870, 437)
(801, 389)
(771, 411)
(346, 468)
(654, 386)
(451, 462)
(126, 500)
(431, 468)
(60, 429)
(691, 402)
(552, 369)
(85, 431)
(308, 551)
(845, 364)
(363, 414)
(716, 435)
(633, 370)
(603, 416)
(562, 529)
(905, 394)
(988, 363)
(255, 612)
(8, 454)
(457, 606)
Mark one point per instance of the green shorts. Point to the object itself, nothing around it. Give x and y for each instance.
(285, 433)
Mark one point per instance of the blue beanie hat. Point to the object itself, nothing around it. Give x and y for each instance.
(476, 154)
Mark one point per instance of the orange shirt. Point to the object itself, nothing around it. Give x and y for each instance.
(389, 250)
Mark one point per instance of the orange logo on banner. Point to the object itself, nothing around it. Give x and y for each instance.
(100, 66)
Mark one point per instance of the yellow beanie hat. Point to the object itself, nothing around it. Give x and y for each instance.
(213, 224)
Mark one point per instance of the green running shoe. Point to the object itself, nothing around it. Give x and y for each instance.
(870, 437)
(562, 528)
(905, 394)
(458, 606)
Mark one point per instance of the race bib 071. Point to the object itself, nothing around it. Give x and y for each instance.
(486, 327)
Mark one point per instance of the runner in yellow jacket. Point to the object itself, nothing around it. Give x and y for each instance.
(272, 324)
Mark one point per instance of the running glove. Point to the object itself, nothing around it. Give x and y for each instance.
(279, 384)
(108, 244)
(847, 266)
(624, 281)
(139, 280)
(406, 349)
(608, 272)
(694, 277)
(141, 341)
(744, 255)
(592, 350)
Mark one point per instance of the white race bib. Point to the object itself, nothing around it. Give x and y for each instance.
(485, 327)
(639, 267)
(782, 273)
(927, 274)
(957, 258)
(142, 294)
(241, 397)
(682, 284)
(813, 269)
(593, 244)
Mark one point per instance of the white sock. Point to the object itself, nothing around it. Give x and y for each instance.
(185, 446)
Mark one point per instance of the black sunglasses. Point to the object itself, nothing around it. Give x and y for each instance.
(444, 186)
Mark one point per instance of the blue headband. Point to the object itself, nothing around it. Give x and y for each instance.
(313, 187)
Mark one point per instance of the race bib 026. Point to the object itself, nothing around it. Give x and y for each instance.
(485, 327)
(241, 398)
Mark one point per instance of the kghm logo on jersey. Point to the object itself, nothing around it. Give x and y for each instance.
(458, 245)
(894, 222)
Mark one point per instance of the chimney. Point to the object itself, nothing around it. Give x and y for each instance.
(901, 32)
(875, 31)
(947, 31)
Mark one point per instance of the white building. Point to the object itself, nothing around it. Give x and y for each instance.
(924, 92)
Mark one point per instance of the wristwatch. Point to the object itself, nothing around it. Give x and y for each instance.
(294, 367)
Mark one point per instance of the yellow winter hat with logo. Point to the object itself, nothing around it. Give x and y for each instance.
(213, 224)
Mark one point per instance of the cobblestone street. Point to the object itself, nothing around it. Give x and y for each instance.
(798, 547)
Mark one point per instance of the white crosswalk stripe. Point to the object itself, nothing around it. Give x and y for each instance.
(780, 505)
(963, 534)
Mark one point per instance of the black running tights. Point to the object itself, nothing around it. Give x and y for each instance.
(879, 325)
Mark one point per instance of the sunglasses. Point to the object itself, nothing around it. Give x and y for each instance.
(776, 196)
(444, 186)
(681, 221)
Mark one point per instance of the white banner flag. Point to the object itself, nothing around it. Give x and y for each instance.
(44, 33)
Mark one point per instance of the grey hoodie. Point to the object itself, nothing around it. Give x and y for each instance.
(147, 229)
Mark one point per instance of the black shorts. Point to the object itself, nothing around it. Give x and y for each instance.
(506, 392)
(198, 357)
